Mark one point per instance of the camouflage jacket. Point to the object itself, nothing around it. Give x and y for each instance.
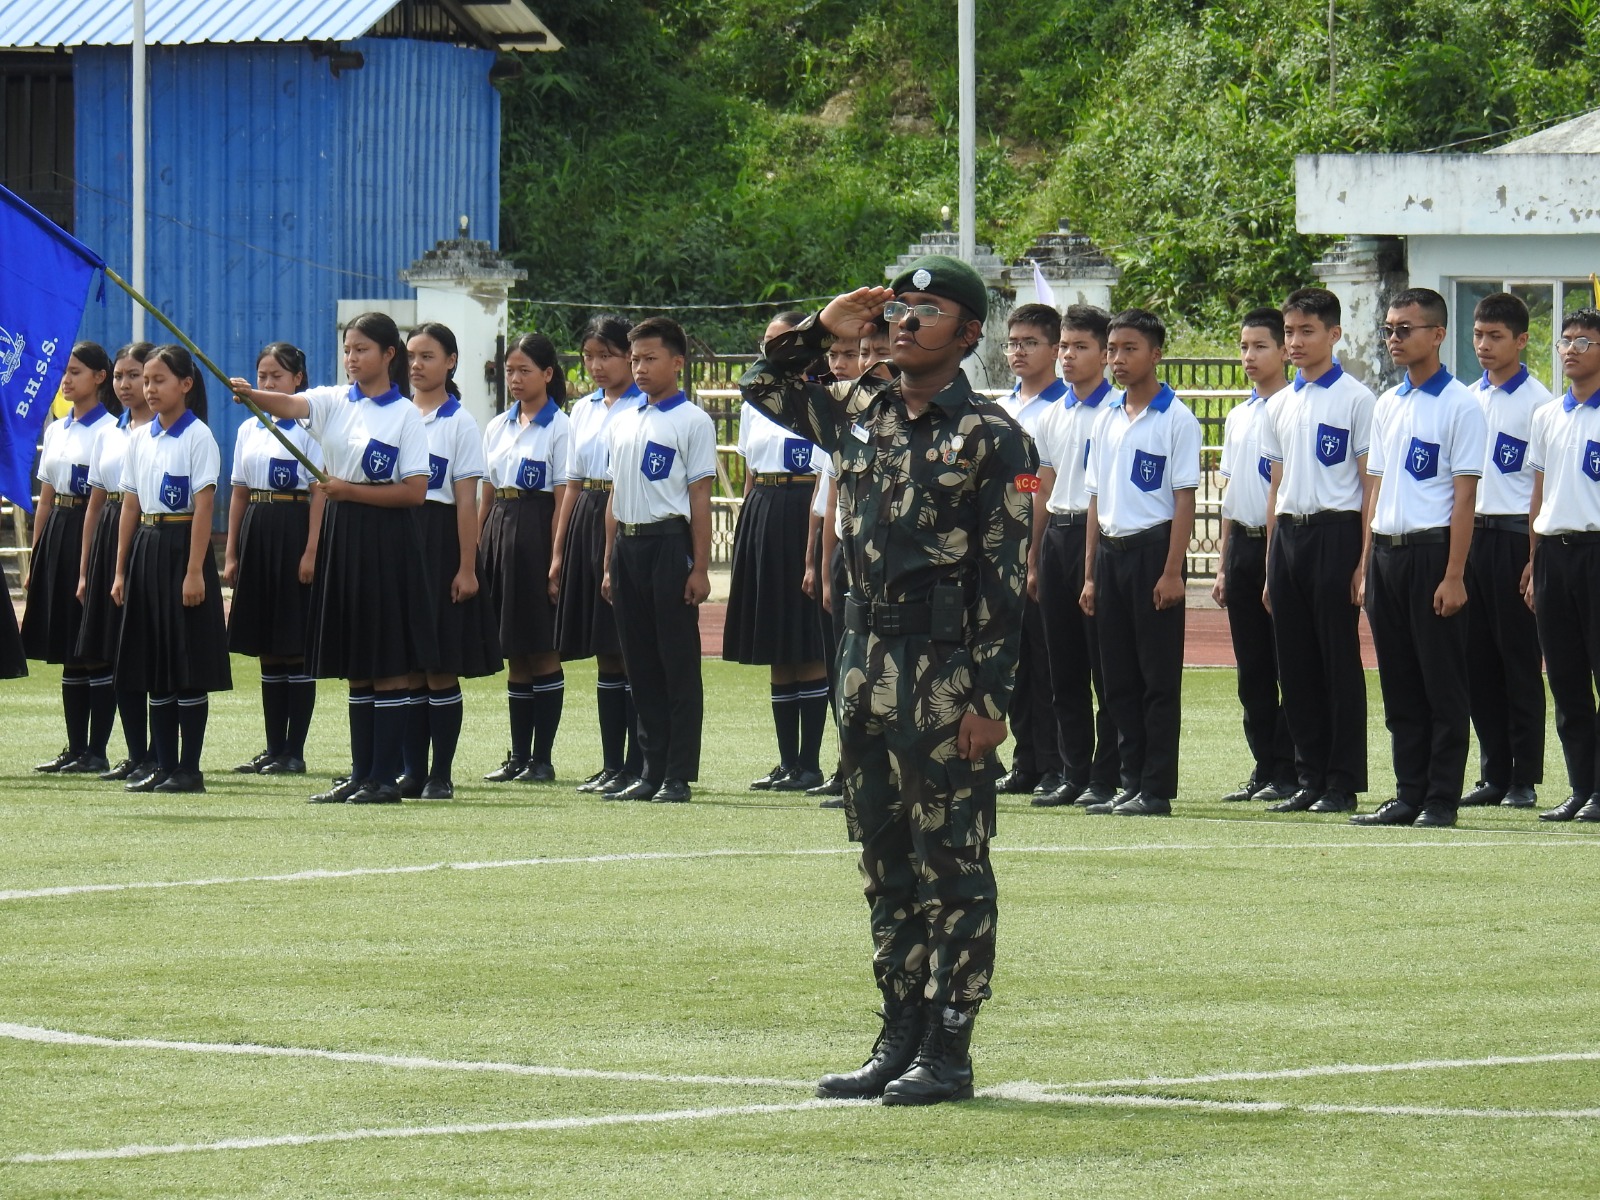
(924, 501)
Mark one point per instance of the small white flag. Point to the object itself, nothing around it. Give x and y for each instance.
(1041, 286)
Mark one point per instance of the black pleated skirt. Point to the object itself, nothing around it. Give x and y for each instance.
(166, 647)
(13, 663)
(102, 620)
(469, 635)
(371, 614)
(770, 619)
(514, 557)
(585, 624)
(54, 618)
(271, 607)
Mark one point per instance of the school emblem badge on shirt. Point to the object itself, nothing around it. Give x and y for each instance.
(530, 475)
(283, 474)
(1591, 461)
(1264, 467)
(378, 460)
(1333, 444)
(1148, 470)
(175, 491)
(78, 484)
(1422, 459)
(796, 454)
(1509, 453)
(437, 466)
(657, 461)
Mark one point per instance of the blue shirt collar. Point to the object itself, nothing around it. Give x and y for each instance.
(1328, 379)
(88, 418)
(178, 426)
(543, 417)
(449, 408)
(388, 397)
(1160, 403)
(283, 423)
(1434, 385)
(1570, 402)
(1056, 390)
(667, 405)
(1510, 385)
(1092, 400)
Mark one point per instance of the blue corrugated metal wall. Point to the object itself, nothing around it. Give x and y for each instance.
(276, 190)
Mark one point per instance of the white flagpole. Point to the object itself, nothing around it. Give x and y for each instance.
(967, 123)
(138, 154)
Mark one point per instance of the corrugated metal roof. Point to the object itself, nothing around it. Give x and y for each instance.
(1581, 135)
(45, 23)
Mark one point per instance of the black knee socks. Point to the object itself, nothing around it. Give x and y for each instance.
(133, 711)
(275, 707)
(519, 698)
(194, 709)
(415, 755)
(75, 707)
(786, 719)
(361, 719)
(302, 695)
(611, 698)
(549, 693)
(102, 711)
(444, 729)
(812, 701)
(390, 710)
(164, 730)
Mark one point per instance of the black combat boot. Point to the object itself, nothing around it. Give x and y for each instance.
(943, 1069)
(892, 1053)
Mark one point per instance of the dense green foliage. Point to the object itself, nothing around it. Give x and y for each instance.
(724, 151)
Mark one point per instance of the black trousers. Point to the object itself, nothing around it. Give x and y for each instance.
(1088, 739)
(1503, 664)
(660, 637)
(1317, 631)
(1422, 670)
(1033, 717)
(1266, 729)
(1566, 599)
(1141, 652)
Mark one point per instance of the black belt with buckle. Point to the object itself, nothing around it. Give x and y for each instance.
(887, 620)
(1505, 524)
(1068, 520)
(1240, 529)
(265, 497)
(1145, 537)
(653, 528)
(1576, 537)
(1417, 537)
(1327, 516)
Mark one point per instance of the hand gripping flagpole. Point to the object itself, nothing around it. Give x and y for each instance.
(200, 356)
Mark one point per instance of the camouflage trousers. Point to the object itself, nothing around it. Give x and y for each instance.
(923, 817)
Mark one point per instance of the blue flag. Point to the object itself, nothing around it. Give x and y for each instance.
(45, 275)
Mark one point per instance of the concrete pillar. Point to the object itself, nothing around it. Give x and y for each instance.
(1364, 272)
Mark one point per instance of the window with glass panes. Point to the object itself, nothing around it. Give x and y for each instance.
(1544, 298)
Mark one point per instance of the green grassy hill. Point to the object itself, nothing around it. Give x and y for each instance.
(719, 151)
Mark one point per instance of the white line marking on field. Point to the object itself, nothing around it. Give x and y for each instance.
(1424, 1064)
(60, 1037)
(311, 876)
(357, 1135)
(1033, 1093)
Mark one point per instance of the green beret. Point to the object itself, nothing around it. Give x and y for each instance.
(941, 275)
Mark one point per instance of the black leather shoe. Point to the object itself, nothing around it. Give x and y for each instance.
(374, 792)
(411, 786)
(1143, 806)
(86, 764)
(141, 773)
(67, 755)
(1095, 793)
(122, 770)
(438, 789)
(537, 772)
(181, 779)
(338, 793)
(892, 1055)
(1301, 801)
(1520, 795)
(1064, 796)
(639, 789)
(1245, 791)
(1566, 810)
(614, 789)
(671, 791)
(1334, 802)
(943, 1067)
(832, 802)
(284, 764)
(1273, 792)
(832, 786)
(506, 771)
(1483, 795)
(1101, 807)
(1437, 817)
(1590, 811)
(798, 781)
(1390, 812)
(1048, 782)
(1016, 783)
(771, 777)
(147, 783)
(253, 767)
(597, 782)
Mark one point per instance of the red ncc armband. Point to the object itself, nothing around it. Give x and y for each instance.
(1027, 483)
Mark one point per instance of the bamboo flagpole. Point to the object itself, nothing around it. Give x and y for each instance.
(200, 357)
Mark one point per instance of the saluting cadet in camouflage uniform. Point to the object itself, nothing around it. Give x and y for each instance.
(936, 525)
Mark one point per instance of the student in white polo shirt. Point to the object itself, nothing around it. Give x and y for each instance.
(1427, 455)
(1090, 769)
(658, 557)
(1562, 583)
(1241, 581)
(1316, 435)
(1503, 662)
(1144, 467)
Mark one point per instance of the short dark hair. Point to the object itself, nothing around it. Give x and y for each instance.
(1043, 317)
(1583, 318)
(1087, 318)
(1502, 308)
(181, 363)
(665, 328)
(1429, 301)
(1269, 319)
(789, 318)
(608, 329)
(1145, 321)
(1315, 302)
(542, 351)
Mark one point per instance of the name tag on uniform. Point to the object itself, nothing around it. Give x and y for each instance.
(283, 474)
(436, 469)
(378, 459)
(175, 491)
(860, 433)
(656, 462)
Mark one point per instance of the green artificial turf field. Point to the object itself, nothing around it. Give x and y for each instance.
(575, 998)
